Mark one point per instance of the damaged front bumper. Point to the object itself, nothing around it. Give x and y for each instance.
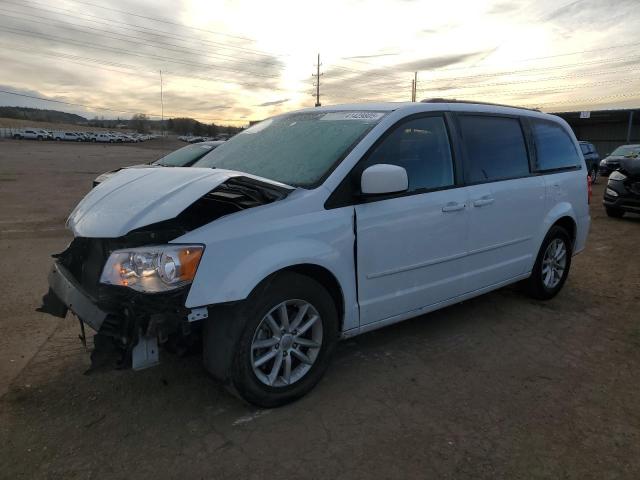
(129, 325)
(65, 293)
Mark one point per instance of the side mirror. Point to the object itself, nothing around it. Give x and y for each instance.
(383, 178)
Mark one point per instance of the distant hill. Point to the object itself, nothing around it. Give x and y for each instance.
(39, 115)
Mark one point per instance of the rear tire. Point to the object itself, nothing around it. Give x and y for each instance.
(287, 375)
(550, 270)
(614, 212)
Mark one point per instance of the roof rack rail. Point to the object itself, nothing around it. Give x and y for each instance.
(475, 102)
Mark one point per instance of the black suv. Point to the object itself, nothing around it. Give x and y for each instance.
(612, 161)
(591, 158)
(623, 190)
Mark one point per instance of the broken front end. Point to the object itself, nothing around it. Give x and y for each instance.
(133, 297)
(132, 288)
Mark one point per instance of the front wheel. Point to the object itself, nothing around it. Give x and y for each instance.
(552, 265)
(290, 333)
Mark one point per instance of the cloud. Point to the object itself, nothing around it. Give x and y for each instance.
(505, 7)
(376, 83)
(274, 102)
(378, 55)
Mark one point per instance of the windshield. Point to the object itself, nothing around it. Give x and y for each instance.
(297, 149)
(185, 156)
(625, 150)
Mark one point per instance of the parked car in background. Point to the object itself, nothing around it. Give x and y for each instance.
(623, 189)
(319, 224)
(612, 161)
(31, 134)
(102, 138)
(183, 157)
(68, 136)
(591, 159)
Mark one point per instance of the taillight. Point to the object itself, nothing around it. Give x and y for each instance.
(589, 189)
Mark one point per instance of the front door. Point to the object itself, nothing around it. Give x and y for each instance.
(411, 247)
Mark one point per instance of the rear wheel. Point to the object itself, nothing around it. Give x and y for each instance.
(290, 332)
(552, 265)
(593, 174)
(614, 212)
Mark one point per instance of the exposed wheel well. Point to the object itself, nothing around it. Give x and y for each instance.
(326, 279)
(569, 225)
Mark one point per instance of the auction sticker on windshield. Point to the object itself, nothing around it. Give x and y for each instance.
(352, 116)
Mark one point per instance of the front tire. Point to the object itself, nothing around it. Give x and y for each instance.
(289, 336)
(614, 212)
(552, 265)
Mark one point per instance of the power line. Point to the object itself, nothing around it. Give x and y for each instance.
(160, 20)
(137, 28)
(31, 33)
(136, 40)
(133, 70)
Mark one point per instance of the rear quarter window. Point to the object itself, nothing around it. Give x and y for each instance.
(554, 147)
(495, 148)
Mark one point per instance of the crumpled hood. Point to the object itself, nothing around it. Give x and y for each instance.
(135, 197)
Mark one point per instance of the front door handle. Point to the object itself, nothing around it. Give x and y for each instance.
(481, 202)
(453, 207)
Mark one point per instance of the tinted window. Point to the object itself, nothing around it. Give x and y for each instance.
(421, 147)
(554, 147)
(495, 148)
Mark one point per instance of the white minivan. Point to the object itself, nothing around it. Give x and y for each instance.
(318, 225)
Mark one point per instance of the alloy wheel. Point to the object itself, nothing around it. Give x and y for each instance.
(287, 343)
(554, 263)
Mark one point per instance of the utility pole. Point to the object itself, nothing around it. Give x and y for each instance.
(317, 84)
(415, 86)
(161, 108)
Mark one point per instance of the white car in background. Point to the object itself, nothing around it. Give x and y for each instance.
(67, 136)
(31, 134)
(322, 224)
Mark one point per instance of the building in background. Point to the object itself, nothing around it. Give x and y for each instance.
(606, 129)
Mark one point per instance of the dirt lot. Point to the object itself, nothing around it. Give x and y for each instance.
(497, 387)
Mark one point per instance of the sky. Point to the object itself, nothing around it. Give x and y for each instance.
(230, 62)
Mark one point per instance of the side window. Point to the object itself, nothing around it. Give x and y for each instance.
(554, 147)
(421, 147)
(495, 148)
(584, 147)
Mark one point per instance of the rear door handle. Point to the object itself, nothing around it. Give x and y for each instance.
(481, 202)
(453, 207)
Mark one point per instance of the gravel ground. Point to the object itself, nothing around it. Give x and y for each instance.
(497, 387)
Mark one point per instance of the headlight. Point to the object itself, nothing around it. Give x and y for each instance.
(617, 176)
(611, 192)
(152, 269)
(603, 163)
